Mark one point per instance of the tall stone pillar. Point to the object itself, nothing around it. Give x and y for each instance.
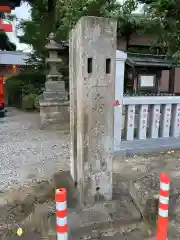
(92, 79)
(73, 67)
(54, 108)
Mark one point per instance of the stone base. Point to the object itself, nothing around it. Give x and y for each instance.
(54, 115)
(49, 96)
(145, 193)
(101, 217)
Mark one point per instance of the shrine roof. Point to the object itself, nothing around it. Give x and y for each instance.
(13, 58)
(148, 60)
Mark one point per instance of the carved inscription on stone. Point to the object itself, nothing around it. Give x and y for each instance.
(98, 157)
(98, 129)
(98, 97)
(86, 141)
(99, 109)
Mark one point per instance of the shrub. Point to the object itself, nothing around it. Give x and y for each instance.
(28, 102)
(23, 84)
(14, 91)
(37, 99)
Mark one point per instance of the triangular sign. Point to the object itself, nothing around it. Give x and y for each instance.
(116, 103)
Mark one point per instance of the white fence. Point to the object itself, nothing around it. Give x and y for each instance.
(151, 117)
(144, 123)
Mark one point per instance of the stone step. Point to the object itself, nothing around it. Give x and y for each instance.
(50, 95)
(55, 86)
(134, 231)
(101, 216)
(56, 125)
(145, 193)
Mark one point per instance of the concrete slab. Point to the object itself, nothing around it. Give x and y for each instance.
(123, 232)
(145, 192)
(128, 148)
(101, 216)
(142, 174)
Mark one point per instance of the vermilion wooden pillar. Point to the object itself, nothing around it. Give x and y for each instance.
(1, 90)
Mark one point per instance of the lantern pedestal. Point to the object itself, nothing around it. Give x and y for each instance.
(54, 115)
(54, 108)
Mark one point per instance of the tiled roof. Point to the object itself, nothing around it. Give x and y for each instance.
(147, 60)
(13, 58)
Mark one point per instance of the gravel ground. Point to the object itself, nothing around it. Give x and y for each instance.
(27, 153)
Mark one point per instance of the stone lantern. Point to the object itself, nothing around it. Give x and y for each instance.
(54, 107)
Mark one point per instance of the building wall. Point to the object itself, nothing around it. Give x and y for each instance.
(144, 40)
(135, 40)
(164, 84)
(7, 71)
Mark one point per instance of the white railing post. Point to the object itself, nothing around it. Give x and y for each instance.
(130, 122)
(154, 121)
(119, 91)
(142, 126)
(175, 123)
(165, 121)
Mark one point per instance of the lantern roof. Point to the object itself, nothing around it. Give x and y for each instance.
(149, 60)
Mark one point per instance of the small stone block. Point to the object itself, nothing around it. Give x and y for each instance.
(145, 193)
(54, 115)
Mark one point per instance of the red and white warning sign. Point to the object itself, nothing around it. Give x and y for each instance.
(116, 103)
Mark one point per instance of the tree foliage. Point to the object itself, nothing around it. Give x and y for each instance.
(68, 13)
(5, 43)
(37, 29)
(166, 13)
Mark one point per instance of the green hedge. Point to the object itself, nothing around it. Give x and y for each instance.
(14, 91)
(37, 99)
(24, 86)
(28, 102)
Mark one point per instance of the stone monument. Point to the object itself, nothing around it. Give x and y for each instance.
(54, 107)
(92, 78)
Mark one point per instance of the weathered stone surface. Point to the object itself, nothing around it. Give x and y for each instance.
(92, 42)
(50, 96)
(54, 115)
(101, 216)
(144, 191)
(122, 232)
(143, 172)
(94, 222)
(54, 86)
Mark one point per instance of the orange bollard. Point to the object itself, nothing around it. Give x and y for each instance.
(162, 223)
(61, 214)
